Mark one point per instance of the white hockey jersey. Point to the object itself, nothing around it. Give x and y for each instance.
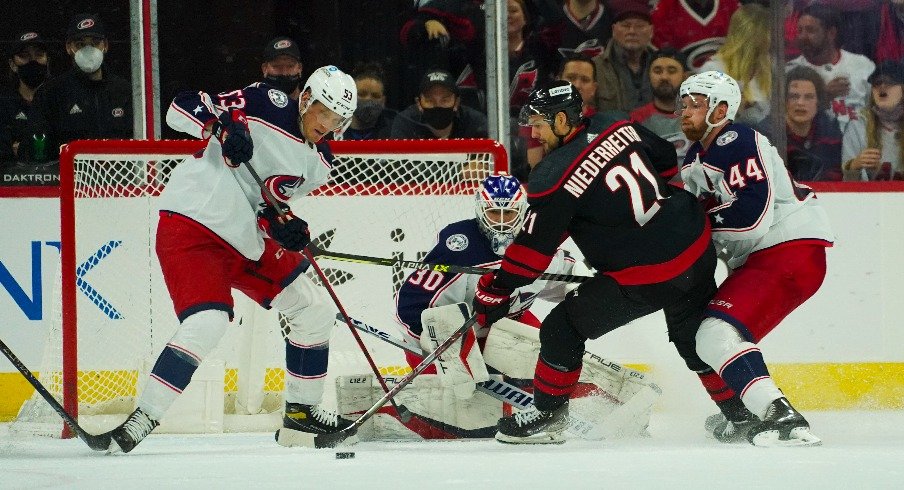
(226, 200)
(856, 68)
(757, 203)
(462, 243)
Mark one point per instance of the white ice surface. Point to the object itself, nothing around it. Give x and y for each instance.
(861, 450)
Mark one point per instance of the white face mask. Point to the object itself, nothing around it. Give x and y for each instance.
(89, 59)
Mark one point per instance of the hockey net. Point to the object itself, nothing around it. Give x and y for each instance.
(385, 199)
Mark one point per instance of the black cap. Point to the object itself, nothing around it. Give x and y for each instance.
(888, 71)
(85, 25)
(27, 38)
(672, 53)
(438, 77)
(281, 46)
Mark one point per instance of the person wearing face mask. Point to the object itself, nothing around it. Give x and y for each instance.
(28, 65)
(372, 121)
(282, 66)
(86, 102)
(437, 112)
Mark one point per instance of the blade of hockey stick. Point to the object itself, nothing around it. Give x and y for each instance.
(412, 264)
(97, 443)
(331, 440)
(509, 393)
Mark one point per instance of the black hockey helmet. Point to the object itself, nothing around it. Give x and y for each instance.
(557, 96)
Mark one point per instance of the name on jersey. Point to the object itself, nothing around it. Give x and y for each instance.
(597, 159)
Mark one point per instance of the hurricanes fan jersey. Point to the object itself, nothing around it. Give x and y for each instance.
(226, 200)
(604, 188)
(462, 243)
(678, 25)
(756, 203)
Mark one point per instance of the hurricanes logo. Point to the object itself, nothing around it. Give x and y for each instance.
(285, 43)
(85, 24)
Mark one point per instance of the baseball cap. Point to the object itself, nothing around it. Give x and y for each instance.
(26, 38)
(281, 46)
(438, 77)
(888, 71)
(622, 9)
(85, 25)
(672, 53)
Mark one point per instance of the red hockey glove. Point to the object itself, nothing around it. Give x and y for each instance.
(291, 232)
(491, 303)
(231, 130)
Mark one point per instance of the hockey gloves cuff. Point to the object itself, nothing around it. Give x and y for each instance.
(231, 130)
(491, 303)
(291, 232)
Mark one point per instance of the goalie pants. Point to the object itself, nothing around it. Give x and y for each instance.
(601, 305)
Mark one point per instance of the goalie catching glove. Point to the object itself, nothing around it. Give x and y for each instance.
(291, 232)
(231, 130)
(491, 303)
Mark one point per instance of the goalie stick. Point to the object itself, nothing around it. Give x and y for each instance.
(404, 413)
(522, 400)
(413, 264)
(97, 443)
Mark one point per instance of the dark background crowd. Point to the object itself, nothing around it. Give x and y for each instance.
(420, 67)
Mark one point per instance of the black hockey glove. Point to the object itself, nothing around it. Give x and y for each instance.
(291, 232)
(491, 303)
(231, 130)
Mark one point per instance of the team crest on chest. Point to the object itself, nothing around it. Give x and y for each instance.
(727, 138)
(457, 242)
(278, 97)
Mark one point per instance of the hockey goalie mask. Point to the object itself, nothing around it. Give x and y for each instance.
(501, 208)
(716, 87)
(337, 92)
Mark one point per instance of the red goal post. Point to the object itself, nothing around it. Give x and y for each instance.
(386, 198)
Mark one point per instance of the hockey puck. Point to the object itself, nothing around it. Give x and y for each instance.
(345, 455)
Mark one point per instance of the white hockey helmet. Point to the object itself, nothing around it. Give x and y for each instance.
(717, 87)
(501, 209)
(334, 89)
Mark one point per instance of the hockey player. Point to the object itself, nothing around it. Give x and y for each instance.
(773, 235)
(649, 242)
(480, 241)
(218, 231)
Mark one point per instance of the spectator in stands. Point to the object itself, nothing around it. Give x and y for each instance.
(623, 69)
(447, 34)
(371, 121)
(438, 113)
(890, 44)
(695, 27)
(87, 102)
(28, 66)
(745, 57)
(844, 72)
(814, 140)
(582, 27)
(281, 67)
(667, 70)
(526, 63)
(873, 144)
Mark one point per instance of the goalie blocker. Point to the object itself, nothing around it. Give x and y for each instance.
(617, 401)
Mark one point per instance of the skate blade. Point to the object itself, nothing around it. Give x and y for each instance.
(798, 437)
(541, 438)
(296, 438)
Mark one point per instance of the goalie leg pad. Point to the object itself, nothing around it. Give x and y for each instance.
(196, 337)
(461, 366)
(738, 362)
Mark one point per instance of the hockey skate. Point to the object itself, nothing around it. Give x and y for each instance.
(303, 425)
(782, 426)
(732, 423)
(131, 432)
(534, 426)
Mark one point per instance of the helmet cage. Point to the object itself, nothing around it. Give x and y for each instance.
(501, 206)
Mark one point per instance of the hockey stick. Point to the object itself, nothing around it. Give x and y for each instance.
(331, 440)
(97, 443)
(412, 264)
(511, 394)
(404, 413)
